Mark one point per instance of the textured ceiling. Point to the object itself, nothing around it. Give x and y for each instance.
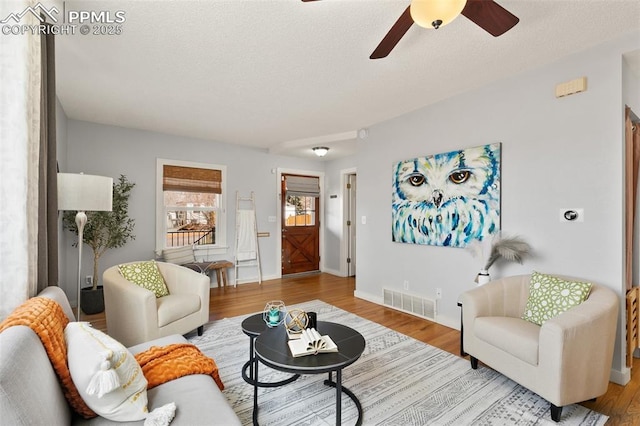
(283, 74)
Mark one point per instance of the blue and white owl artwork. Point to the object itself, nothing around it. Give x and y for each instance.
(447, 199)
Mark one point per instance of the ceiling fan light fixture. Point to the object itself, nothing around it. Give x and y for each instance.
(320, 151)
(435, 13)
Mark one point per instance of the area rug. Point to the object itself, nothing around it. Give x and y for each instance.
(399, 381)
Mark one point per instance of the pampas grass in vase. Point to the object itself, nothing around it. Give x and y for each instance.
(498, 246)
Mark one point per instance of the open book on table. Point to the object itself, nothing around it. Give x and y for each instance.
(311, 343)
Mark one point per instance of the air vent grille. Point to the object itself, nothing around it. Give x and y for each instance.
(411, 304)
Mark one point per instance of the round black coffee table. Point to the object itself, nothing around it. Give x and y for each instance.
(271, 349)
(252, 326)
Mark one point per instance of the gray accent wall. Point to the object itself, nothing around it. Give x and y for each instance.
(556, 153)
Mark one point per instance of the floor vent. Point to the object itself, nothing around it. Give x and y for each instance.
(411, 304)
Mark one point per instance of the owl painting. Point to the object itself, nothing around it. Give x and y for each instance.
(447, 199)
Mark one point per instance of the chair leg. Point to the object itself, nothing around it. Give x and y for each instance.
(200, 330)
(556, 412)
(474, 362)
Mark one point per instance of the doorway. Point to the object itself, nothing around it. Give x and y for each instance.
(351, 224)
(300, 223)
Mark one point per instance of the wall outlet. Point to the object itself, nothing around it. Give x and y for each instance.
(405, 285)
(438, 293)
(88, 279)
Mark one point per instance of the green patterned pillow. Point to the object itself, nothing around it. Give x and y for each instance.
(550, 296)
(146, 275)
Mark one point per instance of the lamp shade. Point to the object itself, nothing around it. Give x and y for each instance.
(77, 191)
(435, 13)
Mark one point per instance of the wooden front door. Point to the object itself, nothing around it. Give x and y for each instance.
(300, 232)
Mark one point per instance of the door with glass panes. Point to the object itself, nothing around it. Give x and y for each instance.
(300, 224)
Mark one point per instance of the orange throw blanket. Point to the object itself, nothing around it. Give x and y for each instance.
(161, 364)
(47, 319)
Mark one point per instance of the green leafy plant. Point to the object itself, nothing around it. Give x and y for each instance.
(106, 230)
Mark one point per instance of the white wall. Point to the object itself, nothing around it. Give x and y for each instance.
(61, 155)
(334, 220)
(556, 153)
(111, 151)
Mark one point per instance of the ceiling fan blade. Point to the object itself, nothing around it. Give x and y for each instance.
(394, 35)
(490, 16)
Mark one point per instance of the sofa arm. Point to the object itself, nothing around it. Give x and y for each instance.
(578, 340)
(184, 280)
(129, 309)
(180, 279)
(502, 297)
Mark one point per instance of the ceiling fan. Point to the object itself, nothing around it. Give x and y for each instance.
(487, 14)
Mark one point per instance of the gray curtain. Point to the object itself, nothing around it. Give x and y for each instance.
(47, 173)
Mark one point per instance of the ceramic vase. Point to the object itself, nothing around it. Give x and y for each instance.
(483, 277)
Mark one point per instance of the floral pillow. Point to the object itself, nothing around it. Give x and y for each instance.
(550, 296)
(146, 275)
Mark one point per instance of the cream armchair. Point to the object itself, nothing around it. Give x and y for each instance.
(135, 315)
(565, 361)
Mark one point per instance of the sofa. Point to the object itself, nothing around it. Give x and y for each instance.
(565, 361)
(30, 393)
(135, 315)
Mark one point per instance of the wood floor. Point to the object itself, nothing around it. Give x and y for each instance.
(621, 404)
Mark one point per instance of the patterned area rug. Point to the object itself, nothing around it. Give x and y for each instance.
(399, 381)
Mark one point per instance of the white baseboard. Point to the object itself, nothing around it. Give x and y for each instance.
(333, 272)
(369, 297)
(620, 377)
(442, 320)
(230, 281)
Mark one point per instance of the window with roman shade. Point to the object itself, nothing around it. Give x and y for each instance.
(304, 186)
(191, 210)
(191, 179)
(301, 193)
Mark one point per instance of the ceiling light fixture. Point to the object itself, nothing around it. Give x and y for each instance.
(435, 13)
(320, 151)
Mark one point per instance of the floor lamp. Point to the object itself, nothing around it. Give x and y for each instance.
(77, 191)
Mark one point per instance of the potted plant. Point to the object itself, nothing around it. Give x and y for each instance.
(497, 246)
(103, 231)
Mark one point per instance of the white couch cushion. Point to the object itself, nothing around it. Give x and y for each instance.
(515, 336)
(91, 352)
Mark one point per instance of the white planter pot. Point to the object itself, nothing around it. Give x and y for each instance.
(483, 277)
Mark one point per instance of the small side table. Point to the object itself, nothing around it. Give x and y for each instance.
(253, 326)
(220, 266)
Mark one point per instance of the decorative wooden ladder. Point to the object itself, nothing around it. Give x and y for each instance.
(250, 206)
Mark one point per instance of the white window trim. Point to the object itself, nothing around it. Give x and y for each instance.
(205, 251)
